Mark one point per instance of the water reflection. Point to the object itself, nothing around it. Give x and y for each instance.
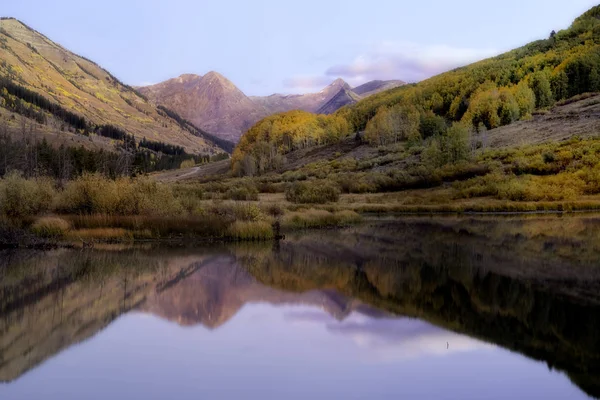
(388, 292)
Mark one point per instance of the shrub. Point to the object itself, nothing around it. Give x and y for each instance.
(187, 164)
(50, 227)
(313, 192)
(93, 194)
(355, 183)
(273, 210)
(20, 197)
(238, 212)
(244, 192)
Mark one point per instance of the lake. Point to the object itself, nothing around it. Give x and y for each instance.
(417, 308)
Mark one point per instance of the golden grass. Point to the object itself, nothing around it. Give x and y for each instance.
(315, 218)
(251, 230)
(101, 234)
(50, 227)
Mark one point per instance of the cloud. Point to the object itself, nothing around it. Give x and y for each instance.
(406, 61)
(392, 339)
(307, 82)
(403, 338)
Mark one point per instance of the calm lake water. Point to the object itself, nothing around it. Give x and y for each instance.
(452, 308)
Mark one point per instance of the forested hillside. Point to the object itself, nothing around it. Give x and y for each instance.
(61, 91)
(476, 98)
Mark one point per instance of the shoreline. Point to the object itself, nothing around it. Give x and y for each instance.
(24, 238)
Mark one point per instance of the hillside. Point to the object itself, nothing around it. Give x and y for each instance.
(374, 87)
(78, 95)
(215, 104)
(445, 119)
(496, 91)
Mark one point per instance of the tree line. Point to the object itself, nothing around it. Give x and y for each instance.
(38, 158)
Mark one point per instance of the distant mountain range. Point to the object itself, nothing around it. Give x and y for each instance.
(215, 104)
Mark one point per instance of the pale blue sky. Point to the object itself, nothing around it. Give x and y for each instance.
(267, 46)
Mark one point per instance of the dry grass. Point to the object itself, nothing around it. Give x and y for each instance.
(50, 227)
(251, 230)
(314, 218)
(108, 234)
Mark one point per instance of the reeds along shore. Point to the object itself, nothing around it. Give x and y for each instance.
(96, 208)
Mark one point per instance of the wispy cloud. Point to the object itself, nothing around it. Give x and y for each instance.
(406, 61)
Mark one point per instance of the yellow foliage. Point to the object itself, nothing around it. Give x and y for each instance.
(261, 148)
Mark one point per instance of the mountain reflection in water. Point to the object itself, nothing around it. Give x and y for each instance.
(396, 291)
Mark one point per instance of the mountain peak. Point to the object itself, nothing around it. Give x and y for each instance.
(213, 77)
(339, 83)
(188, 78)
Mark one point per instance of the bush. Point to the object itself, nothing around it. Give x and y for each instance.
(50, 227)
(238, 212)
(20, 197)
(243, 191)
(274, 210)
(93, 194)
(187, 164)
(313, 192)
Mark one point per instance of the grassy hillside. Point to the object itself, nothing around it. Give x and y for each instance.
(78, 95)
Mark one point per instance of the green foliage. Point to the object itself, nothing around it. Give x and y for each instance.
(244, 190)
(540, 84)
(452, 147)
(313, 192)
(391, 125)
(525, 98)
(432, 125)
